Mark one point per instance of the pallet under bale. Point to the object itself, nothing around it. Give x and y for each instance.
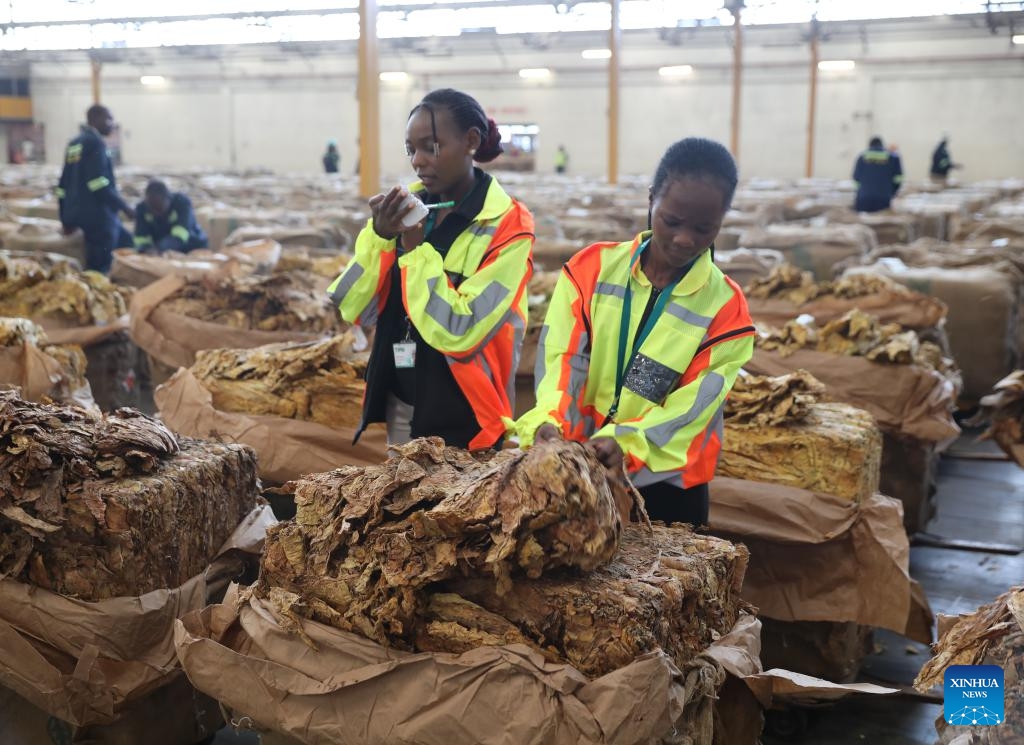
(97, 507)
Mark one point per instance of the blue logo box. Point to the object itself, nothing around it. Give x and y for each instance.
(973, 695)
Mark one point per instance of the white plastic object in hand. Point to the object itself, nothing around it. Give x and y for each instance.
(419, 211)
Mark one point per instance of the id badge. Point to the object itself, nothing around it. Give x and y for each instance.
(405, 354)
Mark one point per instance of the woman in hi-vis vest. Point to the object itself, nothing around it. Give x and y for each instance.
(644, 338)
(448, 292)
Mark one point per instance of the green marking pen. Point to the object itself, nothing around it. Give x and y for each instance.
(440, 205)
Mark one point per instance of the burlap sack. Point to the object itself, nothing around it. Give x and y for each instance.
(85, 663)
(982, 323)
(38, 235)
(744, 265)
(814, 249)
(287, 448)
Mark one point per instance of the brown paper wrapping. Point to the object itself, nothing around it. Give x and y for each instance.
(84, 662)
(173, 339)
(903, 399)
(287, 448)
(818, 557)
(353, 690)
(38, 375)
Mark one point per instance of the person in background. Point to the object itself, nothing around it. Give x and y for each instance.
(942, 162)
(878, 174)
(561, 160)
(644, 338)
(332, 158)
(447, 294)
(87, 192)
(164, 221)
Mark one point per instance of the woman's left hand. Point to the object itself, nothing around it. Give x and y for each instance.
(607, 451)
(413, 237)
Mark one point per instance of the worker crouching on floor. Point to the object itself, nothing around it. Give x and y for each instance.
(643, 341)
(448, 293)
(164, 221)
(87, 192)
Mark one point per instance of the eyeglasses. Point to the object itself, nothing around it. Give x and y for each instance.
(411, 151)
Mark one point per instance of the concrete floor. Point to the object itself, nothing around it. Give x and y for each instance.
(978, 500)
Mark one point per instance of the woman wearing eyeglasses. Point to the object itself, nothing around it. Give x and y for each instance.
(448, 294)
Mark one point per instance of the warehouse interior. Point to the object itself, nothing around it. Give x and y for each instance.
(212, 530)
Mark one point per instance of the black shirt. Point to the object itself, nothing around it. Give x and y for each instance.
(441, 409)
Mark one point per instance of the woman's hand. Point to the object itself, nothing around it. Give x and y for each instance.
(388, 211)
(412, 237)
(608, 452)
(545, 432)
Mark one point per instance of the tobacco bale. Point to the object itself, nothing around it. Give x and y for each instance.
(105, 506)
(667, 588)
(56, 292)
(280, 302)
(311, 381)
(69, 360)
(366, 540)
(764, 400)
(833, 449)
(992, 635)
(1003, 410)
(816, 249)
(788, 293)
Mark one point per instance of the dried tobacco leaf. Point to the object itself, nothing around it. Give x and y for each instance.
(280, 302)
(312, 381)
(666, 588)
(1003, 410)
(366, 541)
(115, 505)
(57, 292)
(764, 400)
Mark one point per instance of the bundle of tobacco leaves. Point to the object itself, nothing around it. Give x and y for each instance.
(280, 302)
(856, 334)
(777, 432)
(992, 635)
(667, 588)
(1003, 411)
(318, 381)
(44, 290)
(99, 506)
(443, 550)
(365, 541)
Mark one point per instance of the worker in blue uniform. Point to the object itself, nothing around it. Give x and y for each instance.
(164, 221)
(87, 192)
(878, 174)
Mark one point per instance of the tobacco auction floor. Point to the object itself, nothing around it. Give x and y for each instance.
(979, 502)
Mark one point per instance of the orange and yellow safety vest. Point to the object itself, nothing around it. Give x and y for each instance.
(670, 408)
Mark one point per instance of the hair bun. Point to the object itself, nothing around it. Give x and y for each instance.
(491, 147)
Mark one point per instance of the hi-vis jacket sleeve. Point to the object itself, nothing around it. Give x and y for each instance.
(563, 361)
(669, 437)
(94, 168)
(458, 321)
(143, 228)
(358, 291)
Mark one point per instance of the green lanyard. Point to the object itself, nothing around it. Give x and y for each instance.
(622, 365)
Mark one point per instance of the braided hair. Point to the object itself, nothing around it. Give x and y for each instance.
(467, 113)
(699, 158)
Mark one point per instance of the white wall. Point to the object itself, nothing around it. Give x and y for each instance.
(263, 107)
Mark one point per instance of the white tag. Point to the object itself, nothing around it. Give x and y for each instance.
(405, 354)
